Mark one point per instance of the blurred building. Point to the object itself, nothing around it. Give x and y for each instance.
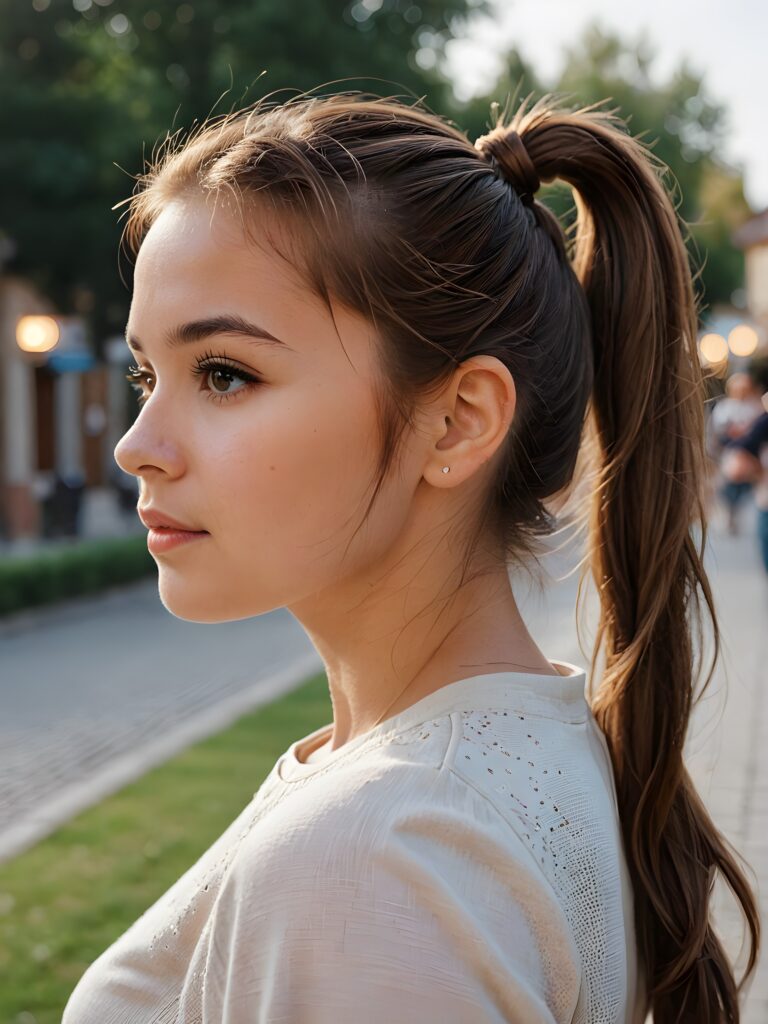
(61, 413)
(752, 237)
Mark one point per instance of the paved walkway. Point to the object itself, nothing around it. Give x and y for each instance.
(726, 749)
(98, 691)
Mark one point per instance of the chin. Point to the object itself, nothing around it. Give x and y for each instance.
(204, 603)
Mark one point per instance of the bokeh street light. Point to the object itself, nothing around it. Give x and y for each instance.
(37, 333)
(742, 340)
(713, 349)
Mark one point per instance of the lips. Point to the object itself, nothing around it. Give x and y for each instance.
(156, 519)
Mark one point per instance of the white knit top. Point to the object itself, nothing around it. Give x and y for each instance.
(460, 862)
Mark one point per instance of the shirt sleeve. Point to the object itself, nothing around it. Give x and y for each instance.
(755, 437)
(436, 916)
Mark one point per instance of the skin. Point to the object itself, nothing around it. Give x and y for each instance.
(280, 473)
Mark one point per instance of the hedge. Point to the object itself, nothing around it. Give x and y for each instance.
(80, 568)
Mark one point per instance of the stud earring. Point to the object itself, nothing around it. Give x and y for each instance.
(446, 469)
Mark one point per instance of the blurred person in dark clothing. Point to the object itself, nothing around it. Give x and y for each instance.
(745, 460)
(731, 419)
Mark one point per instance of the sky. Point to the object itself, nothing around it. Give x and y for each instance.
(726, 42)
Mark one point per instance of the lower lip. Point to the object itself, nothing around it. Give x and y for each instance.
(160, 540)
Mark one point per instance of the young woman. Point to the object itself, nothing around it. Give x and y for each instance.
(370, 367)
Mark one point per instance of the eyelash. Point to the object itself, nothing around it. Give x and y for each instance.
(207, 363)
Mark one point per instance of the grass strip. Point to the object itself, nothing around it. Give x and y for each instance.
(63, 902)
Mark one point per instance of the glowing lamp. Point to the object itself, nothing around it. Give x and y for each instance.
(742, 340)
(713, 348)
(37, 333)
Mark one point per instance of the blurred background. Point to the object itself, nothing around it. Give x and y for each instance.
(116, 773)
(90, 87)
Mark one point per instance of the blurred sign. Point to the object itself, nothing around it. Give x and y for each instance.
(71, 362)
(73, 353)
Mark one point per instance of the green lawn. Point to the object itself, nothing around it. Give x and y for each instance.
(67, 899)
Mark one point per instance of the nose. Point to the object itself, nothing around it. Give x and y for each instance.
(149, 445)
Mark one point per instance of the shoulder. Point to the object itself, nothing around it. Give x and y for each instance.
(400, 829)
(408, 888)
(458, 781)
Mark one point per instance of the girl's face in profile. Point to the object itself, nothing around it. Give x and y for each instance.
(270, 448)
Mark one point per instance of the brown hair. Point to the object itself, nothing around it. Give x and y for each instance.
(441, 244)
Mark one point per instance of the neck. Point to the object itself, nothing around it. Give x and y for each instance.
(402, 641)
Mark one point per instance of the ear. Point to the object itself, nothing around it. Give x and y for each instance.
(471, 419)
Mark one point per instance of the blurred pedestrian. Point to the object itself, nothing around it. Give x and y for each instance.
(731, 418)
(745, 462)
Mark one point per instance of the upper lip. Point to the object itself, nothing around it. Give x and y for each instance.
(154, 517)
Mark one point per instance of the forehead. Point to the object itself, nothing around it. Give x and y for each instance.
(197, 260)
(198, 245)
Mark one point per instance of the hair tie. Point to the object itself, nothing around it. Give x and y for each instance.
(504, 148)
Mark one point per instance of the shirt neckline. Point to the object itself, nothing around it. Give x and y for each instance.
(490, 689)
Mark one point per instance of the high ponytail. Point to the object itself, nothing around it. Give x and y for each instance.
(645, 430)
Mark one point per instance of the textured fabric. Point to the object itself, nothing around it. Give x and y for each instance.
(460, 862)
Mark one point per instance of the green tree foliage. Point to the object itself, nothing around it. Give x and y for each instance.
(89, 87)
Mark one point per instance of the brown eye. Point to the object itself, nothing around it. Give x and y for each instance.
(219, 377)
(221, 372)
(216, 369)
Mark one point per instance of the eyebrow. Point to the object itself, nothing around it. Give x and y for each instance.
(197, 330)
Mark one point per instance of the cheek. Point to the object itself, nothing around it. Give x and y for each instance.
(294, 475)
